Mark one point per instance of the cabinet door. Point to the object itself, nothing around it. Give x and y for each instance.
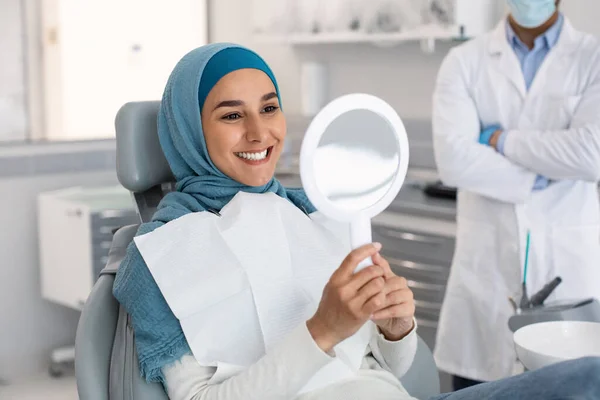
(65, 251)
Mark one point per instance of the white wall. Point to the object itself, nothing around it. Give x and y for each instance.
(12, 80)
(30, 327)
(583, 14)
(402, 75)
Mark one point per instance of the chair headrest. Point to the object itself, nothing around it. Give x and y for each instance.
(141, 163)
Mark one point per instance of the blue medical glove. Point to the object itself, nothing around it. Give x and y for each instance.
(486, 134)
(541, 182)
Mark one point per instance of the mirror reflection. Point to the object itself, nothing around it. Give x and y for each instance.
(356, 160)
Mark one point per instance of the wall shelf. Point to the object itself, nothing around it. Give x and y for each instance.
(425, 32)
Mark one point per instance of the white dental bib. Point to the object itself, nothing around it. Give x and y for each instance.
(241, 282)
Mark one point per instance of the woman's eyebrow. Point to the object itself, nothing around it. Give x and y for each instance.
(237, 103)
(269, 96)
(230, 103)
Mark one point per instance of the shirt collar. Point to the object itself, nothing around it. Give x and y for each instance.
(550, 37)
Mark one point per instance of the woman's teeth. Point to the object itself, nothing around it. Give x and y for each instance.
(253, 156)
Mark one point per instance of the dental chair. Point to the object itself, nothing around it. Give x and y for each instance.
(106, 363)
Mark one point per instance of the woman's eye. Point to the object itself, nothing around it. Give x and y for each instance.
(232, 117)
(270, 109)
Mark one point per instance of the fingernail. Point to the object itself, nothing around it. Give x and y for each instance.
(377, 246)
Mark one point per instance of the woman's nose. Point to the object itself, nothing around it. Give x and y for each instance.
(256, 130)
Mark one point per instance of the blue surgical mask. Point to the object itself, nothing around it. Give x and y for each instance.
(531, 13)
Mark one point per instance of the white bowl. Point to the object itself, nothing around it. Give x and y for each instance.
(545, 343)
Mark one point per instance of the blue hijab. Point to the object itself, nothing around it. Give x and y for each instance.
(200, 186)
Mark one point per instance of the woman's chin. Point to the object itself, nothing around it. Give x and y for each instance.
(256, 181)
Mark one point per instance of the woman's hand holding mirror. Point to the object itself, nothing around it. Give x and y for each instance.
(349, 299)
(396, 319)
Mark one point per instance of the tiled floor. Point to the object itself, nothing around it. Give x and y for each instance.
(43, 388)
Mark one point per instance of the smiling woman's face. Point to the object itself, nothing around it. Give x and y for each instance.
(244, 127)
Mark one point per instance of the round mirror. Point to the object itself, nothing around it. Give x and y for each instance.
(353, 161)
(357, 159)
(354, 157)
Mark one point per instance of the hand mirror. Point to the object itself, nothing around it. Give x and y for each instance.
(353, 161)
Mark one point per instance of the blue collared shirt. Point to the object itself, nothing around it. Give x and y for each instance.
(531, 61)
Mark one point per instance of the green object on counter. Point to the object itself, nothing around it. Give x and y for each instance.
(525, 303)
(526, 257)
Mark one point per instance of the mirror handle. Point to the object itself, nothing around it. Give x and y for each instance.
(360, 234)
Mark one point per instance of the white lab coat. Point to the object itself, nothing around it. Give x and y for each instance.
(554, 130)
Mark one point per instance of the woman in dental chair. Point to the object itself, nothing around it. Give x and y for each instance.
(238, 289)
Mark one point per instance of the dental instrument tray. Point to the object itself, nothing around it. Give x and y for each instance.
(583, 310)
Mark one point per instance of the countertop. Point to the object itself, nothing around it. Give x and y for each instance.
(411, 209)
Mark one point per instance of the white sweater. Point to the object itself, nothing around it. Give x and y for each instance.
(281, 373)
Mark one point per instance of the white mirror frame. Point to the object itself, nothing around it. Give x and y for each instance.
(311, 140)
(360, 220)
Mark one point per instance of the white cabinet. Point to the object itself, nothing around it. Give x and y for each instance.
(75, 234)
(100, 54)
(378, 21)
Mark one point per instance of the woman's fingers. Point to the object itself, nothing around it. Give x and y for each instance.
(395, 283)
(399, 297)
(363, 277)
(372, 288)
(402, 310)
(383, 263)
(398, 304)
(374, 304)
(348, 266)
(390, 291)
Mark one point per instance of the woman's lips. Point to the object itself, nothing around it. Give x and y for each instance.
(255, 157)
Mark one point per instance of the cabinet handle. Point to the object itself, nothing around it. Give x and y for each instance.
(106, 230)
(428, 305)
(427, 323)
(426, 286)
(418, 266)
(74, 213)
(52, 36)
(113, 213)
(413, 237)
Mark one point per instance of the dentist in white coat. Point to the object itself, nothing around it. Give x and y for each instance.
(516, 123)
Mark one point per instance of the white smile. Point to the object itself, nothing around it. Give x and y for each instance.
(253, 156)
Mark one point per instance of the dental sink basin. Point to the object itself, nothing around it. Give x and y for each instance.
(542, 344)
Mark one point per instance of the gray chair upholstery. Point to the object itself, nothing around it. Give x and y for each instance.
(106, 363)
(422, 380)
(141, 165)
